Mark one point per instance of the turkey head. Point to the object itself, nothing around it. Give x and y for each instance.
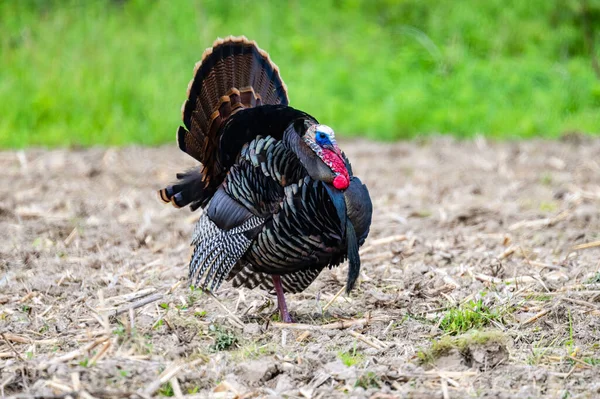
(317, 150)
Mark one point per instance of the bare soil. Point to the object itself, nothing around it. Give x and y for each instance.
(94, 300)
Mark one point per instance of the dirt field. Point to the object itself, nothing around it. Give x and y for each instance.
(473, 283)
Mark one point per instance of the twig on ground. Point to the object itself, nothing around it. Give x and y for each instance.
(74, 354)
(233, 319)
(579, 361)
(12, 347)
(338, 325)
(375, 343)
(381, 241)
(539, 223)
(582, 303)
(168, 374)
(334, 298)
(587, 245)
(135, 305)
(4, 383)
(512, 280)
(536, 317)
(445, 392)
(100, 353)
(131, 296)
(176, 387)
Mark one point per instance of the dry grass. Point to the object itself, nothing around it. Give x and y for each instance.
(501, 238)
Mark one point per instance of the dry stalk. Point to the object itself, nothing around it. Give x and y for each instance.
(131, 296)
(233, 319)
(536, 317)
(579, 361)
(338, 325)
(169, 373)
(381, 241)
(176, 387)
(587, 245)
(513, 280)
(74, 354)
(374, 343)
(100, 353)
(582, 303)
(334, 298)
(12, 348)
(24, 340)
(135, 305)
(539, 223)
(445, 393)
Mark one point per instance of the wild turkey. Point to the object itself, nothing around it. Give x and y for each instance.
(279, 198)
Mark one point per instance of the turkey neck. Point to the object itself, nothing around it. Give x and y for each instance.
(314, 166)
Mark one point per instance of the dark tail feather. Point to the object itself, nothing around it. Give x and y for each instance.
(353, 256)
(188, 190)
(234, 74)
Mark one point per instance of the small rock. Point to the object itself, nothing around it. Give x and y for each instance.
(258, 371)
(485, 357)
(453, 360)
(556, 277)
(285, 384)
(340, 371)
(252, 329)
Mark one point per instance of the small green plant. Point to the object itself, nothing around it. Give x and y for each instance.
(194, 294)
(570, 343)
(166, 390)
(546, 179)
(119, 330)
(350, 358)
(546, 206)
(158, 324)
(472, 315)
(368, 380)
(224, 339)
(592, 361)
(539, 350)
(84, 362)
(595, 279)
(164, 305)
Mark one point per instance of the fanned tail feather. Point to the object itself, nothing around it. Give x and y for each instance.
(233, 74)
(216, 251)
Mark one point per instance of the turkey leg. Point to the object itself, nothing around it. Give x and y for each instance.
(285, 316)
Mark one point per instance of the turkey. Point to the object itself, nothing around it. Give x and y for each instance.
(279, 200)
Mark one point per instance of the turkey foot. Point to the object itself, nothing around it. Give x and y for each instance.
(285, 316)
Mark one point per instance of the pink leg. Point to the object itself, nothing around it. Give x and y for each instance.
(285, 316)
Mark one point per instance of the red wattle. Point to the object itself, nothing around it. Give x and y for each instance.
(340, 182)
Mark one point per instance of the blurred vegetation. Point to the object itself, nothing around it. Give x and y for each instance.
(87, 72)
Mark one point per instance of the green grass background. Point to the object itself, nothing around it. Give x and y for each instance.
(86, 72)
